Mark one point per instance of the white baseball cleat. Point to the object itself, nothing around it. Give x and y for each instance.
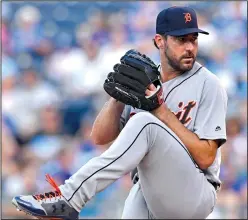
(47, 205)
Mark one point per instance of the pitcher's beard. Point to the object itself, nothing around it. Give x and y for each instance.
(178, 65)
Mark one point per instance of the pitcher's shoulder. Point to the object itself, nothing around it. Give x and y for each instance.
(209, 76)
(212, 82)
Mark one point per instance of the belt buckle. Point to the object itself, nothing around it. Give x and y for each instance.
(216, 186)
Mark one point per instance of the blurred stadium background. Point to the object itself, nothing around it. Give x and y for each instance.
(55, 57)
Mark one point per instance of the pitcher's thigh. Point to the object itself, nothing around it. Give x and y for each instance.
(135, 205)
(172, 184)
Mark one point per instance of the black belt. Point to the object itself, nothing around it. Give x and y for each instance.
(135, 178)
(215, 185)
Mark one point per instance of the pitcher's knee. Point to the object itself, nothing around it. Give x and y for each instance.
(144, 117)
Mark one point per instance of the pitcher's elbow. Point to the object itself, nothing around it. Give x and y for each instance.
(205, 163)
(94, 138)
(97, 139)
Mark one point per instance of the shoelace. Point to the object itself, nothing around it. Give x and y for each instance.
(49, 195)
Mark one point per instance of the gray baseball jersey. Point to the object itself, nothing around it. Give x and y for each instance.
(169, 179)
(200, 103)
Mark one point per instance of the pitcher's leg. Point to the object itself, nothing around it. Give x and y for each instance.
(172, 185)
(130, 147)
(126, 152)
(135, 206)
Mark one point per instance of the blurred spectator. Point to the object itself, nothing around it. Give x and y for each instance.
(243, 117)
(48, 138)
(5, 29)
(22, 103)
(10, 99)
(207, 43)
(98, 25)
(6, 39)
(9, 151)
(18, 177)
(9, 67)
(116, 47)
(28, 37)
(75, 68)
(41, 93)
(233, 170)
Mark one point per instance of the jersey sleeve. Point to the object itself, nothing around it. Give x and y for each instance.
(210, 121)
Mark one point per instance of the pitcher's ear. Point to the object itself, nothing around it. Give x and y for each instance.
(159, 41)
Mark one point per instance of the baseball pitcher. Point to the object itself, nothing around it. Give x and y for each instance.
(166, 125)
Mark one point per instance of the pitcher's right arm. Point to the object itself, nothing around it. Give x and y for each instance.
(107, 124)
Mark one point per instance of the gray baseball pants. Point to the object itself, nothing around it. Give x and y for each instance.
(170, 184)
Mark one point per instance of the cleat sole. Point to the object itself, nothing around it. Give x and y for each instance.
(38, 217)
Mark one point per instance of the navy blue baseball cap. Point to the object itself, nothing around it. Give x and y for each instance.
(177, 21)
